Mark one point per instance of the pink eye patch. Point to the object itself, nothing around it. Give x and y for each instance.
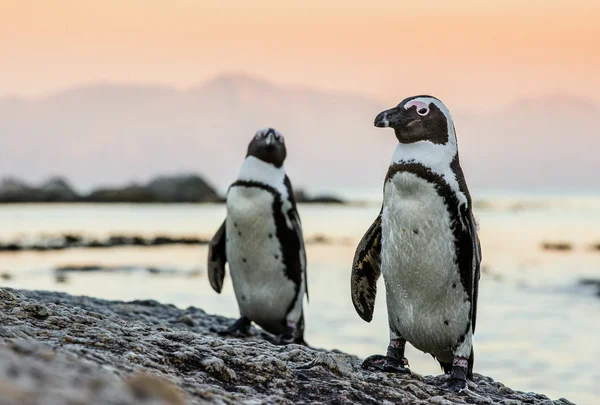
(418, 104)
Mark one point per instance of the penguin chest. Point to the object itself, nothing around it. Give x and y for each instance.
(426, 302)
(254, 253)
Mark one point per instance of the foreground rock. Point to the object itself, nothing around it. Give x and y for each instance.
(59, 349)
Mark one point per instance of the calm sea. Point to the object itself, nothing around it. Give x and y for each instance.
(537, 329)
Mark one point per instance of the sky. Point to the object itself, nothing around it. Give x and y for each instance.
(474, 54)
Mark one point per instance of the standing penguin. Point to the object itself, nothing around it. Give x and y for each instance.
(425, 243)
(261, 238)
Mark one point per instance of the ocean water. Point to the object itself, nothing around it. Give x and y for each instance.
(537, 327)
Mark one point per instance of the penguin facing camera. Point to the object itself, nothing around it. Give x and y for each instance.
(261, 239)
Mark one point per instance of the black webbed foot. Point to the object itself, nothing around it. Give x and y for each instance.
(456, 385)
(284, 339)
(457, 380)
(240, 328)
(388, 364)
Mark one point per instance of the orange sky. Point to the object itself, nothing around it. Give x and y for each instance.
(471, 53)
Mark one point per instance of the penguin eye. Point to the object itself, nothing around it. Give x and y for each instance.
(279, 138)
(423, 111)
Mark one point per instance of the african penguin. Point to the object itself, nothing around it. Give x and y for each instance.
(425, 244)
(261, 238)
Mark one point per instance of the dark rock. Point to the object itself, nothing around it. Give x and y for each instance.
(174, 189)
(56, 348)
(558, 246)
(76, 241)
(55, 189)
(58, 189)
(595, 246)
(15, 190)
(129, 194)
(183, 189)
(79, 268)
(591, 282)
(302, 197)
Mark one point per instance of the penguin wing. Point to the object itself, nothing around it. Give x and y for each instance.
(366, 270)
(216, 259)
(295, 218)
(476, 264)
(301, 251)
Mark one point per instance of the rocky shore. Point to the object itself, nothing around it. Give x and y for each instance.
(60, 349)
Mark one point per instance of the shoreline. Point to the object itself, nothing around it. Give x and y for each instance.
(141, 352)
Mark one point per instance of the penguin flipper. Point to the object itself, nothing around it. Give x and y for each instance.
(295, 218)
(216, 259)
(476, 266)
(366, 270)
(302, 252)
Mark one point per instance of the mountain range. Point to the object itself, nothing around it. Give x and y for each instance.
(109, 133)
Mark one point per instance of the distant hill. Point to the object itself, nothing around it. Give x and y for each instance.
(110, 134)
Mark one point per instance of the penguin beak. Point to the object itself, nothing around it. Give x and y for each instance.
(393, 118)
(270, 139)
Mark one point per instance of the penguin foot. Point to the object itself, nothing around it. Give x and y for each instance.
(456, 385)
(291, 335)
(457, 381)
(240, 328)
(388, 364)
(284, 339)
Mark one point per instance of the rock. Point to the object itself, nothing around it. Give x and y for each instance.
(558, 246)
(591, 282)
(302, 197)
(183, 189)
(57, 189)
(56, 349)
(14, 190)
(175, 189)
(70, 241)
(130, 194)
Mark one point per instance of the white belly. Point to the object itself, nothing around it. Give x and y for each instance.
(426, 302)
(263, 292)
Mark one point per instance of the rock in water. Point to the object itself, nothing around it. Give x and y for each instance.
(57, 349)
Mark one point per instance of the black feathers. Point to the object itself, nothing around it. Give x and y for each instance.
(366, 270)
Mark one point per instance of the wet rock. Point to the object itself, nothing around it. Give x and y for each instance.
(71, 241)
(557, 246)
(591, 282)
(56, 349)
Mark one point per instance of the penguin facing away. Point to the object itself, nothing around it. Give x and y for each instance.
(425, 244)
(262, 240)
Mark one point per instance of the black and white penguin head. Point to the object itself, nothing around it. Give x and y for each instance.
(268, 145)
(419, 118)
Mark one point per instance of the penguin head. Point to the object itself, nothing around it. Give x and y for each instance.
(268, 145)
(419, 118)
